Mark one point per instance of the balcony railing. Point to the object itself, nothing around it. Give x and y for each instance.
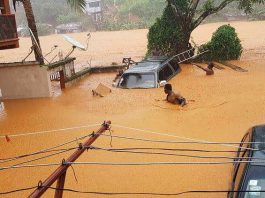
(8, 32)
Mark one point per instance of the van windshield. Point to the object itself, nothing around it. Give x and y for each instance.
(137, 80)
(255, 185)
(255, 181)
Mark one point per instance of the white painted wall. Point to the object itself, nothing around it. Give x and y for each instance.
(91, 9)
(24, 80)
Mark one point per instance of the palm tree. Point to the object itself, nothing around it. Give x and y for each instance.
(78, 5)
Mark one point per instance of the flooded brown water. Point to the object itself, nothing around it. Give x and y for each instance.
(221, 108)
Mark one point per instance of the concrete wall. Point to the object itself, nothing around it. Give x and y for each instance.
(24, 80)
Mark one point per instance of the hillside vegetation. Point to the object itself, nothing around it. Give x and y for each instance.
(121, 14)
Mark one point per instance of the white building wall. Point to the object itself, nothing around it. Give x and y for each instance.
(91, 8)
(24, 80)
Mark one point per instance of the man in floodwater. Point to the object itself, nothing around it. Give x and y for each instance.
(174, 98)
(208, 70)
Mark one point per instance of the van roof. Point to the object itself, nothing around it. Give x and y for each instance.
(148, 65)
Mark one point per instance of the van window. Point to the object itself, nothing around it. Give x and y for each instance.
(174, 64)
(239, 172)
(137, 80)
(165, 73)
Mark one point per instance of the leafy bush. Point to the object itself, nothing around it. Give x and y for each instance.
(224, 45)
(164, 34)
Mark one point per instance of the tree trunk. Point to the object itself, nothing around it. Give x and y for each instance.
(33, 27)
(184, 42)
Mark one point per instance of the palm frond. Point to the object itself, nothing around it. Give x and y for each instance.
(78, 5)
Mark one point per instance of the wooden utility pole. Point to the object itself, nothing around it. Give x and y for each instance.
(60, 173)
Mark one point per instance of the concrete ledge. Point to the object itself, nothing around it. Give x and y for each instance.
(19, 64)
(106, 69)
(60, 63)
(87, 71)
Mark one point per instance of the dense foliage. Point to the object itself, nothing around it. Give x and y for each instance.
(128, 14)
(119, 14)
(188, 15)
(224, 45)
(164, 34)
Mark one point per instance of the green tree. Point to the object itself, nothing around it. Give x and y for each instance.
(189, 14)
(78, 5)
(224, 45)
(164, 34)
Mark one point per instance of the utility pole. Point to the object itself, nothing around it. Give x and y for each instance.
(60, 173)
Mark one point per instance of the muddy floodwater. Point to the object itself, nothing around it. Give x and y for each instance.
(221, 108)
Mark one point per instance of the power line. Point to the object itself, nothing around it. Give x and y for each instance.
(151, 193)
(174, 154)
(47, 150)
(4, 160)
(29, 166)
(186, 138)
(178, 142)
(159, 163)
(44, 157)
(49, 131)
(174, 149)
(17, 190)
(129, 164)
(132, 193)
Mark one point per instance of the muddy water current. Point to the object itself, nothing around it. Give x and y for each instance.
(221, 108)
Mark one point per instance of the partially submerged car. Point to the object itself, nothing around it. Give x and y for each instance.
(150, 73)
(248, 180)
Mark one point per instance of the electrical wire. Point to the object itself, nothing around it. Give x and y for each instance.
(174, 149)
(178, 142)
(184, 138)
(49, 131)
(4, 160)
(150, 193)
(29, 166)
(17, 190)
(160, 163)
(44, 157)
(131, 193)
(131, 164)
(178, 155)
(42, 151)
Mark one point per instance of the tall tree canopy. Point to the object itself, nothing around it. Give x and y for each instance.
(189, 14)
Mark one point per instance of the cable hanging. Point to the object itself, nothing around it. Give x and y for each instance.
(179, 142)
(131, 163)
(133, 193)
(182, 137)
(160, 163)
(174, 154)
(44, 157)
(48, 131)
(152, 193)
(43, 150)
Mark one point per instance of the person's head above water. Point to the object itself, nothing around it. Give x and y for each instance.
(168, 88)
(210, 66)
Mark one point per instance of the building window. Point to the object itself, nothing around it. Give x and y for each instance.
(94, 4)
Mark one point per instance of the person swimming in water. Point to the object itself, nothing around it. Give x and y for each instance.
(174, 98)
(209, 69)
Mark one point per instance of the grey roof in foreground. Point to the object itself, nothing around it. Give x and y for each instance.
(149, 65)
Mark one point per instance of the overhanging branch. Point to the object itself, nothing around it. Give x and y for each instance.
(209, 12)
(179, 15)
